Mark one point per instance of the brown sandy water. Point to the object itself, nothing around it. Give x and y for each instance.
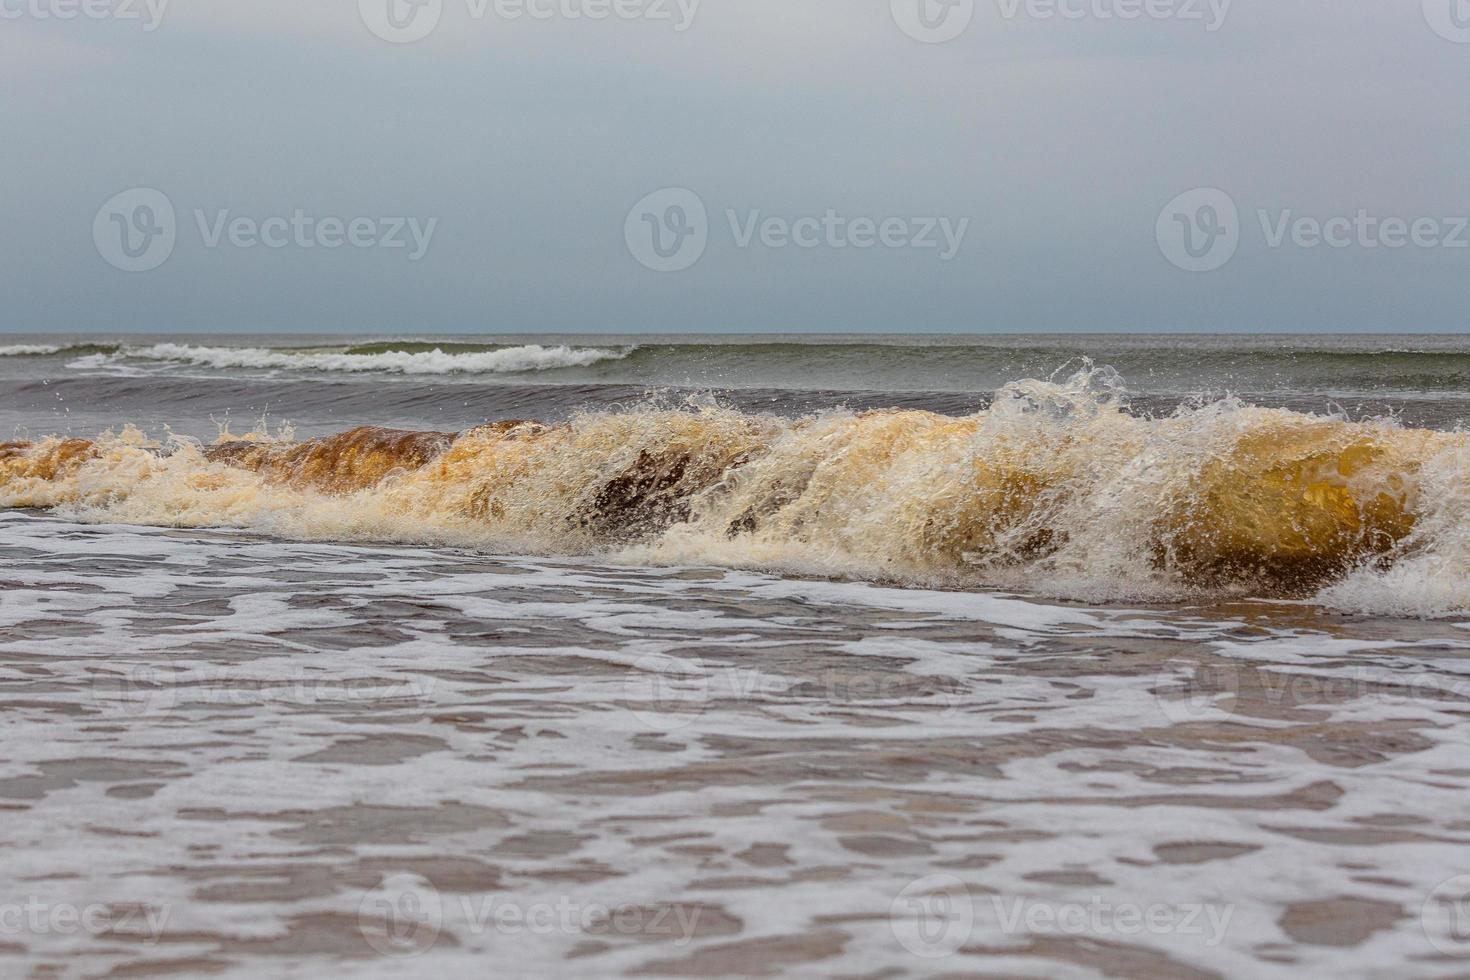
(231, 755)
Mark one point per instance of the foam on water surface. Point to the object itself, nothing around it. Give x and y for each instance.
(295, 758)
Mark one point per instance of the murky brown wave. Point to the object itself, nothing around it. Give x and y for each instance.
(1055, 488)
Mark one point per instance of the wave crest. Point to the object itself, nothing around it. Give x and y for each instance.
(28, 350)
(1056, 489)
(47, 350)
(506, 360)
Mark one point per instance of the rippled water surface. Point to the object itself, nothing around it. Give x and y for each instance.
(73, 383)
(229, 755)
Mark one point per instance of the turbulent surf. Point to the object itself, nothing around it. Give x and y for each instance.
(1056, 488)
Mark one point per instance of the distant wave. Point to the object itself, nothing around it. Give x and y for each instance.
(46, 350)
(28, 350)
(954, 366)
(506, 360)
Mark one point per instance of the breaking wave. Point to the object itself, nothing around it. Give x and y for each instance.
(430, 361)
(47, 350)
(1056, 489)
(27, 350)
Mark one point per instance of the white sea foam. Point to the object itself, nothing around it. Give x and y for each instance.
(1432, 578)
(507, 360)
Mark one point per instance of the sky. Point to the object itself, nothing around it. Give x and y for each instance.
(629, 166)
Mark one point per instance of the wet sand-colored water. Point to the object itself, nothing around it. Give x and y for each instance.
(230, 755)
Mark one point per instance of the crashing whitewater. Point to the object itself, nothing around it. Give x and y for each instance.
(1056, 489)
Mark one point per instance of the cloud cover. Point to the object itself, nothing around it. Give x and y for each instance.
(1059, 128)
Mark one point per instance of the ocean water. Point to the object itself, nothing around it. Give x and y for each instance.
(1053, 657)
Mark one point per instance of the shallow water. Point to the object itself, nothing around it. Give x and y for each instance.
(231, 754)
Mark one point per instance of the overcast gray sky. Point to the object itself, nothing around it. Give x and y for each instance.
(1048, 148)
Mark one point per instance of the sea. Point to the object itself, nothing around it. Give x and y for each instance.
(813, 656)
